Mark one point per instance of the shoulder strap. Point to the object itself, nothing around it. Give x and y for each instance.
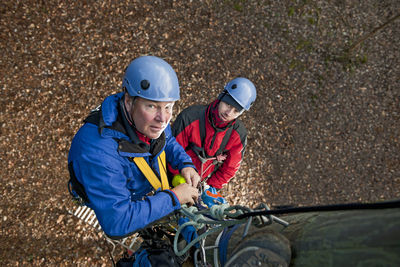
(225, 140)
(202, 126)
(163, 171)
(148, 172)
(93, 117)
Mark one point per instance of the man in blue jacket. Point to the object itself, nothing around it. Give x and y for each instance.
(117, 160)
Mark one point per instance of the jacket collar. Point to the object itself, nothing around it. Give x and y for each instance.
(155, 146)
(211, 114)
(111, 116)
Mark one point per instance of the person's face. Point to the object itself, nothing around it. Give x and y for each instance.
(150, 117)
(227, 112)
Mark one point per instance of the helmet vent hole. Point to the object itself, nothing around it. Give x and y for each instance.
(234, 86)
(145, 84)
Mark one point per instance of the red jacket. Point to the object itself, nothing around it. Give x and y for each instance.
(186, 130)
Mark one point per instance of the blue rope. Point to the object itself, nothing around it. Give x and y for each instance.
(223, 243)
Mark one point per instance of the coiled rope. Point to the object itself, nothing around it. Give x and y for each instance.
(218, 217)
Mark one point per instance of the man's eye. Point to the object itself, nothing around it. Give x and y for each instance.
(235, 110)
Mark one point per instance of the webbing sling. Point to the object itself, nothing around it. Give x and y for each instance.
(149, 173)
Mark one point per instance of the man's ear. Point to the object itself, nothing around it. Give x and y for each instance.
(128, 101)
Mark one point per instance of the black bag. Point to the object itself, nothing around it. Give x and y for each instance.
(163, 257)
(157, 256)
(126, 261)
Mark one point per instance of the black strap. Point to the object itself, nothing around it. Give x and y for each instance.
(202, 127)
(94, 116)
(334, 207)
(224, 141)
(77, 187)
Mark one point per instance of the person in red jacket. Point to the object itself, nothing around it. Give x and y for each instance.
(215, 138)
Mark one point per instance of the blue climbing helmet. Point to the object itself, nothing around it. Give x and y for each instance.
(242, 90)
(151, 78)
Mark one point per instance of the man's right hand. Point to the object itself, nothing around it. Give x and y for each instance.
(186, 194)
(191, 176)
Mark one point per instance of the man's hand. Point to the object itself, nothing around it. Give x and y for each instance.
(212, 197)
(186, 194)
(191, 176)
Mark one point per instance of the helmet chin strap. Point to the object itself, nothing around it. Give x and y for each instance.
(126, 113)
(221, 95)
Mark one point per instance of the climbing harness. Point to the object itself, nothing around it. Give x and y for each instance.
(219, 156)
(149, 173)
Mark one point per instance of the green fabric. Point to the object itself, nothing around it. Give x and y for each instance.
(345, 238)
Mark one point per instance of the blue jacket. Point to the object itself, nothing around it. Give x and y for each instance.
(101, 155)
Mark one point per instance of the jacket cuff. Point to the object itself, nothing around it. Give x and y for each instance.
(174, 198)
(187, 164)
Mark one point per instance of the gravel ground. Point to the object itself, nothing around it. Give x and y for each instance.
(324, 129)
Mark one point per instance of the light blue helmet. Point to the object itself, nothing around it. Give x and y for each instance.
(243, 91)
(151, 78)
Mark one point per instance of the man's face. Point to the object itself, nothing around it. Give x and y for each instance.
(227, 112)
(150, 117)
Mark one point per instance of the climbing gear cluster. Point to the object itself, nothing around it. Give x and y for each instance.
(218, 219)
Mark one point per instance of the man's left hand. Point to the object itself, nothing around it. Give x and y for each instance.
(191, 176)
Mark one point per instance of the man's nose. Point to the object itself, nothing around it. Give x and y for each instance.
(162, 116)
(230, 111)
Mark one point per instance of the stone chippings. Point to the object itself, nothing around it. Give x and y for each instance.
(324, 128)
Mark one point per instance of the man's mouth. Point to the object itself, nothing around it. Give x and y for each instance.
(157, 128)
